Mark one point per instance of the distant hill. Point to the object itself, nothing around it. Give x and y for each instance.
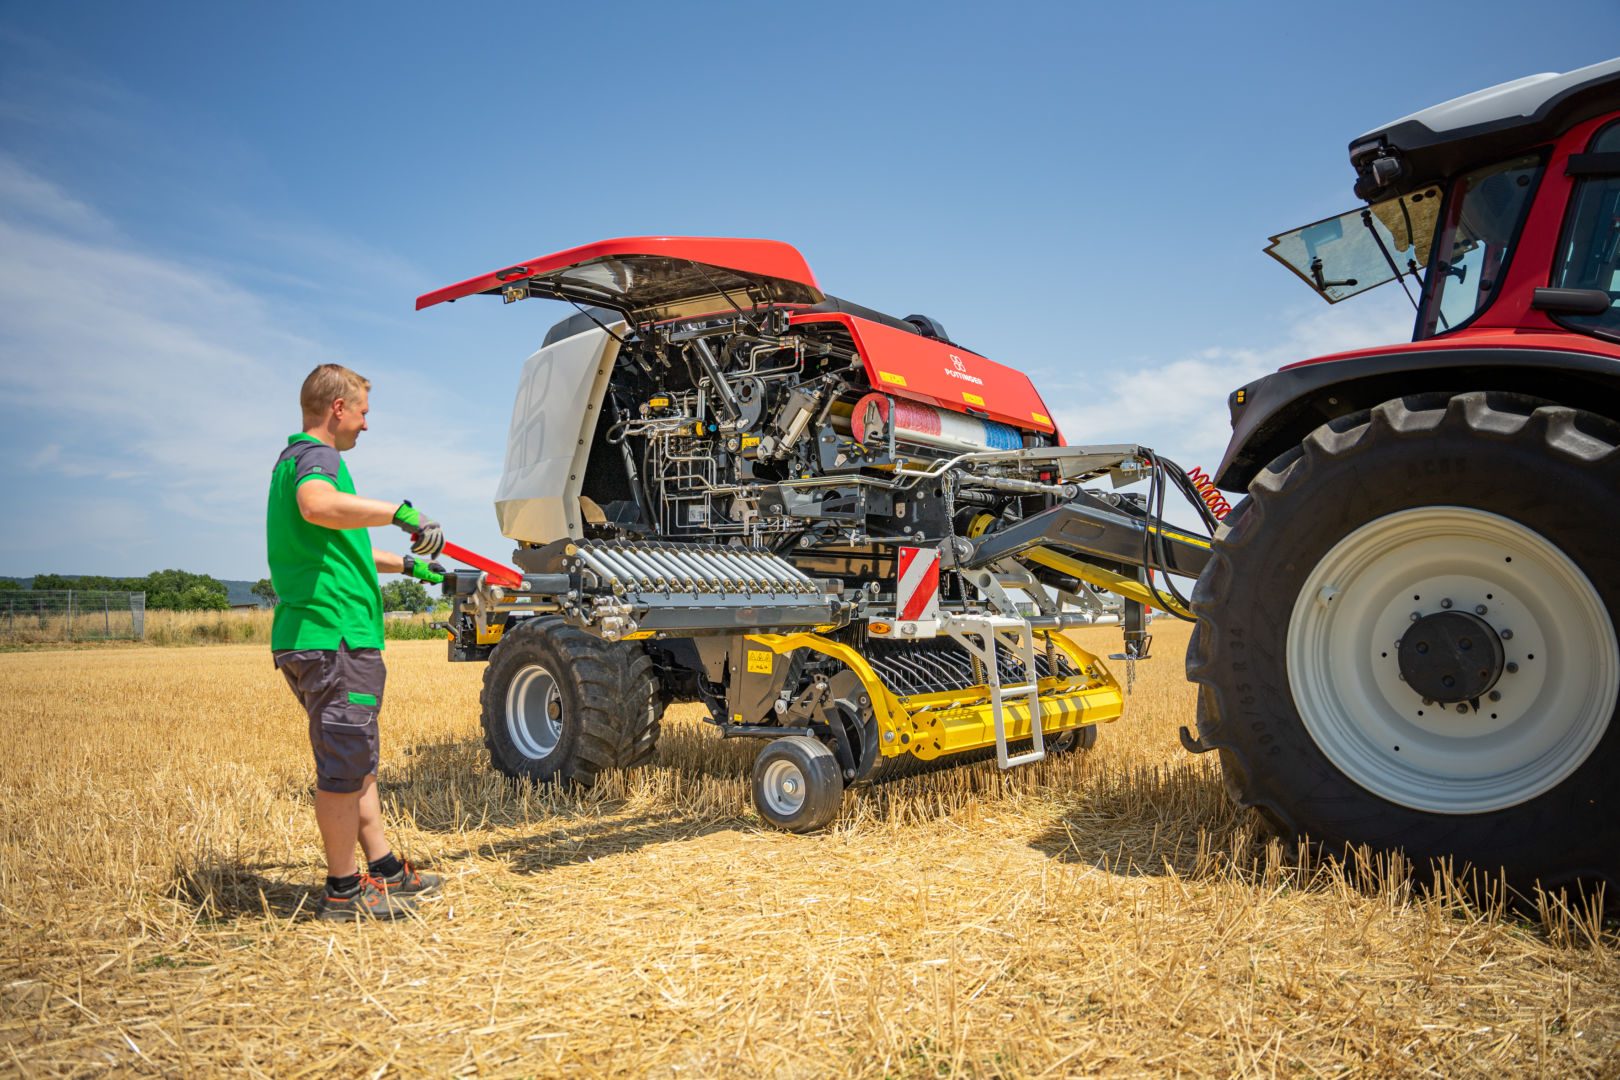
(236, 592)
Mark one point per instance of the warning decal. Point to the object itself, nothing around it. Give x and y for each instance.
(916, 594)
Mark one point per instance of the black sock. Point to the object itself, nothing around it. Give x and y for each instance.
(338, 885)
(387, 866)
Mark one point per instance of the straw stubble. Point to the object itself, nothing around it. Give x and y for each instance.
(1101, 913)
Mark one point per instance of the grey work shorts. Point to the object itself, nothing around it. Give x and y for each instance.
(341, 689)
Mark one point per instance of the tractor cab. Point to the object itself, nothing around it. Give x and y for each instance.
(1449, 196)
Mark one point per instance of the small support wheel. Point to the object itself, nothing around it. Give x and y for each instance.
(1066, 742)
(797, 784)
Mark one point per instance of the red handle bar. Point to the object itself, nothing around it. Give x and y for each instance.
(499, 573)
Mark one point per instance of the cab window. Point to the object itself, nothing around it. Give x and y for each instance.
(1589, 249)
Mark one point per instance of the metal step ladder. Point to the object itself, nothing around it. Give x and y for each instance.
(985, 637)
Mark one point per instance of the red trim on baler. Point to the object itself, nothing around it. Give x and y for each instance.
(763, 258)
(911, 366)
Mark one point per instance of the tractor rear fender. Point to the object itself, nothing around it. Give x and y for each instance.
(1279, 410)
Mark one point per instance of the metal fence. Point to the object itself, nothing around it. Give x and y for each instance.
(43, 615)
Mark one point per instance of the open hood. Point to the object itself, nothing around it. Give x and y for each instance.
(654, 278)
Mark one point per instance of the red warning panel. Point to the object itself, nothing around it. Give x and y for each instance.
(916, 594)
(912, 366)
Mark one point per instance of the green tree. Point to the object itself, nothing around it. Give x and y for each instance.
(54, 581)
(405, 596)
(265, 591)
(181, 590)
(7, 585)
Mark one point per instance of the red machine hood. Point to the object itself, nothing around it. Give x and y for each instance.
(652, 278)
(939, 373)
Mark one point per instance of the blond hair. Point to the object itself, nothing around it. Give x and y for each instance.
(326, 384)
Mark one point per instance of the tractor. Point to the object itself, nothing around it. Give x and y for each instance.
(1406, 628)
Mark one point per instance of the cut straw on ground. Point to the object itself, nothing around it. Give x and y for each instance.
(1106, 913)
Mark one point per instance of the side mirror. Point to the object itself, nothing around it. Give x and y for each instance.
(1571, 301)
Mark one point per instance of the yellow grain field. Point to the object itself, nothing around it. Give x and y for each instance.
(1101, 914)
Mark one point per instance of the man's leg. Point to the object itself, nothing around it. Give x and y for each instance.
(369, 821)
(337, 813)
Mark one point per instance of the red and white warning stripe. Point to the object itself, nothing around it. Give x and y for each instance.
(916, 595)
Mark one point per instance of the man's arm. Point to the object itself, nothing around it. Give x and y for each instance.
(411, 566)
(323, 504)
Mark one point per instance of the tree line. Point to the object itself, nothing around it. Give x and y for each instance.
(181, 590)
(166, 590)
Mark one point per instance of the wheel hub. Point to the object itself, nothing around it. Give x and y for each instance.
(1530, 697)
(1451, 656)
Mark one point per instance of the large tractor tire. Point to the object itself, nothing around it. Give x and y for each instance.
(562, 705)
(1406, 639)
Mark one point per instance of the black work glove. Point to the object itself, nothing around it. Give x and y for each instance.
(427, 537)
(422, 570)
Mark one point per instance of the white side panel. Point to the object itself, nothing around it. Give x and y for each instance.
(558, 402)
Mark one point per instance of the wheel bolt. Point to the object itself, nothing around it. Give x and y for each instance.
(1416, 615)
(1446, 603)
(1496, 695)
(1513, 669)
(1479, 609)
(1507, 635)
(1448, 682)
(1462, 708)
(1426, 701)
(1422, 647)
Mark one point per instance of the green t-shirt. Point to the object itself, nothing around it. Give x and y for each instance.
(325, 579)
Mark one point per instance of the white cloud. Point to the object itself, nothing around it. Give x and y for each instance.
(1178, 406)
(23, 193)
(154, 381)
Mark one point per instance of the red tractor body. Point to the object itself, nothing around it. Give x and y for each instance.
(1407, 628)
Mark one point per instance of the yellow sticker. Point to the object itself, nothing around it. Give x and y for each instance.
(637, 636)
(759, 663)
(658, 403)
(972, 399)
(891, 377)
(749, 441)
(1039, 418)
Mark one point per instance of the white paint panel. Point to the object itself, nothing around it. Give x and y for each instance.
(559, 400)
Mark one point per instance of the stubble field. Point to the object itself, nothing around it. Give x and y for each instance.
(1100, 914)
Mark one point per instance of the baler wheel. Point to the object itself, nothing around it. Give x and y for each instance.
(797, 784)
(1406, 639)
(560, 704)
(1067, 742)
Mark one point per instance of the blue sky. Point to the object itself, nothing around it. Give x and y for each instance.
(200, 202)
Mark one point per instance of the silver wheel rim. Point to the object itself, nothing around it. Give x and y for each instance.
(784, 787)
(534, 712)
(1451, 759)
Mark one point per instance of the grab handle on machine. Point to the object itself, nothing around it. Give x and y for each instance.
(499, 573)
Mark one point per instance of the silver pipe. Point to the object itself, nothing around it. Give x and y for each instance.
(623, 569)
(643, 569)
(607, 575)
(711, 367)
(673, 572)
(734, 566)
(706, 576)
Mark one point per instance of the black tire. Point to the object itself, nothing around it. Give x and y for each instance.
(1549, 470)
(602, 698)
(1067, 742)
(797, 784)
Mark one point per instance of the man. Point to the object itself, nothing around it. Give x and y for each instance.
(327, 637)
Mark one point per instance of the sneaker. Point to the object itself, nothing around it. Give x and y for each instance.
(411, 882)
(368, 900)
